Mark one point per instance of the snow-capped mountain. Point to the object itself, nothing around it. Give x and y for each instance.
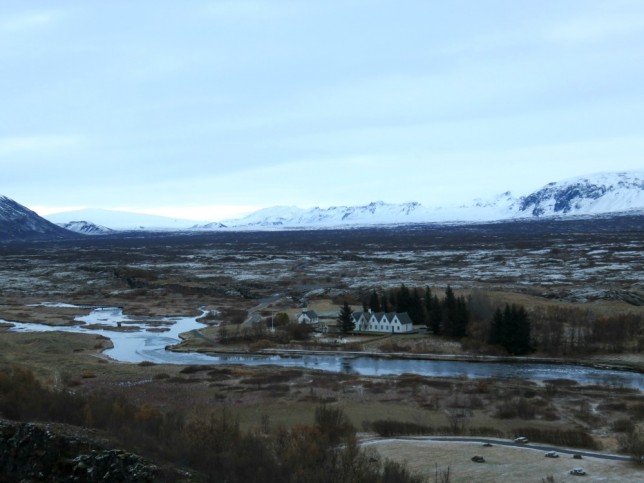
(20, 223)
(375, 213)
(588, 195)
(291, 216)
(123, 220)
(597, 194)
(86, 228)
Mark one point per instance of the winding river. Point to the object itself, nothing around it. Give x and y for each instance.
(138, 339)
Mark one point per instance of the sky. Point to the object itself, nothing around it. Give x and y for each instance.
(211, 109)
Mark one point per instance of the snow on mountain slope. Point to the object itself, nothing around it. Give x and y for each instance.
(20, 223)
(123, 220)
(376, 213)
(86, 228)
(587, 195)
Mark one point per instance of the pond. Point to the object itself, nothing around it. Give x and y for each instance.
(138, 339)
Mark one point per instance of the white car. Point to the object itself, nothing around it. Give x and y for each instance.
(552, 454)
(521, 440)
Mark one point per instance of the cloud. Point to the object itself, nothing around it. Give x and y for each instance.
(27, 21)
(596, 29)
(249, 9)
(16, 145)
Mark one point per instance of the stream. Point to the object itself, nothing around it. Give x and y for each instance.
(138, 339)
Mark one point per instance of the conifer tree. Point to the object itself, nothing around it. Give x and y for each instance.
(415, 308)
(436, 316)
(511, 329)
(374, 301)
(427, 302)
(345, 319)
(403, 301)
(384, 305)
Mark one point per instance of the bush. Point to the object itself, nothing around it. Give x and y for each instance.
(389, 428)
(573, 438)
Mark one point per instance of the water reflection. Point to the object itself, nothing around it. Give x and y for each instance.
(141, 342)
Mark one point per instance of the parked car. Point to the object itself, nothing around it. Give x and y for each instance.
(577, 471)
(552, 454)
(478, 459)
(521, 440)
(576, 456)
(487, 445)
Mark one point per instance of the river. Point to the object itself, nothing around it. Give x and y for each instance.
(138, 339)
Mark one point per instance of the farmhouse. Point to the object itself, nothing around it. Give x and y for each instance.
(308, 317)
(391, 322)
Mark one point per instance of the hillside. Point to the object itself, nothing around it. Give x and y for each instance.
(20, 223)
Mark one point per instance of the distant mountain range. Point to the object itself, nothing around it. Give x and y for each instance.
(86, 228)
(120, 220)
(598, 194)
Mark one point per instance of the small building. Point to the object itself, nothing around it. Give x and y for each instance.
(328, 325)
(389, 322)
(308, 317)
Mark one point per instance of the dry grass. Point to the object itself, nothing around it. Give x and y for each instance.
(502, 463)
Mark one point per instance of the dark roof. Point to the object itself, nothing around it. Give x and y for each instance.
(404, 318)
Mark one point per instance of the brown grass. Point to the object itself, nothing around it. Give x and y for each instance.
(501, 463)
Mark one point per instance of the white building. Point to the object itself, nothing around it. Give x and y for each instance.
(390, 322)
(308, 317)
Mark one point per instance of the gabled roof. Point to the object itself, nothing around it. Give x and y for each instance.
(311, 314)
(404, 318)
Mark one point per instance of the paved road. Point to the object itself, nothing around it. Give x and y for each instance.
(501, 442)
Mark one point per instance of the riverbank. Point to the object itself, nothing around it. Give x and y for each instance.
(608, 362)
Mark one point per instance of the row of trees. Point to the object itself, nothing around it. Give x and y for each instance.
(572, 330)
(511, 329)
(447, 316)
(454, 316)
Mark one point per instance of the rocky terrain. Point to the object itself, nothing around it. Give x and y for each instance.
(55, 453)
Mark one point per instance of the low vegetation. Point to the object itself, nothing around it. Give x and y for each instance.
(211, 444)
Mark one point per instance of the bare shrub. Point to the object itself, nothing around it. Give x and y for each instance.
(389, 428)
(636, 411)
(623, 425)
(517, 407)
(574, 438)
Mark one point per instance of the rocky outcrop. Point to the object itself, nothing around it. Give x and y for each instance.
(40, 452)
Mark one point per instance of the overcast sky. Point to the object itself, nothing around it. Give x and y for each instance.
(206, 109)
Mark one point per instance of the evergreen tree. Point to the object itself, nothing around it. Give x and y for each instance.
(460, 318)
(448, 312)
(496, 328)
(374, 302)
(436, 316)
(427, 302)
(403, 301)
(455, 315)
(345, 319)
(384, 305)
(415, 308)
(511, 329)
(520, 342)
(393, 301)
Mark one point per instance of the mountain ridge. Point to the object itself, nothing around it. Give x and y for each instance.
(18, 223)
(596, 194)
(589, 195)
